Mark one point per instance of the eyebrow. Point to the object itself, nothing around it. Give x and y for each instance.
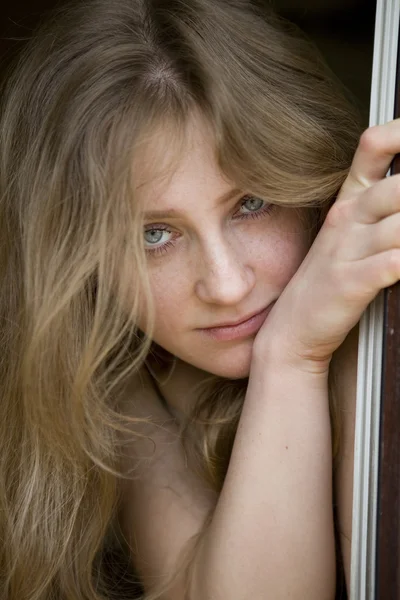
(172, 212)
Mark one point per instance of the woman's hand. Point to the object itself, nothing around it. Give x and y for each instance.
(354, 256)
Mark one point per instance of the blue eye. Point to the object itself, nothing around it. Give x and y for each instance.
(253, 207)
(153, 236)
(252, 204)
(156, 237)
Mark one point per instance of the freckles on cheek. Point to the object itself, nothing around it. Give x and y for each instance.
(281, 257)
(291, 255)
(169, 297)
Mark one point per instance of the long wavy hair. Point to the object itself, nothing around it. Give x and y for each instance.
(98, 83)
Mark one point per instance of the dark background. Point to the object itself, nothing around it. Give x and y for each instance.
(342, 29)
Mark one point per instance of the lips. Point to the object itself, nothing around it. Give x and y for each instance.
(235, 323)
(237, 330)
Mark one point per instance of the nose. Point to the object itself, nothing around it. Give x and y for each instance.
(225, 278)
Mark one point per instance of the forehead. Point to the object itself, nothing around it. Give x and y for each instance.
(172, 170)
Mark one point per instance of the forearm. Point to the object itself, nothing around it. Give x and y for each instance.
(272, 531)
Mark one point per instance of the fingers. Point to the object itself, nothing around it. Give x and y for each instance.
(381, 237)
(377, 272)
(369, 222)
(376, 150)
(378, 202)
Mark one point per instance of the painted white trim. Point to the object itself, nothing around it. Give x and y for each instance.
(365, 495)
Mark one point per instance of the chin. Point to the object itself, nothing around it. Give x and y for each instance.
(234, 373)
(232, 370)
(230, 363)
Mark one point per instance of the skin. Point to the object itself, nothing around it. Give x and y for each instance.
(214, 261)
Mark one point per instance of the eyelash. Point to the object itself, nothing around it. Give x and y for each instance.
(262, 212)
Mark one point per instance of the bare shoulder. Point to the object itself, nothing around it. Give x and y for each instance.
(163, 503)
(151, 443)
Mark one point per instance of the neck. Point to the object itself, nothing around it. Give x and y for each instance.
(179, 383)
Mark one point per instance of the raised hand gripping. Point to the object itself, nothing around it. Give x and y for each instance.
(354, 256)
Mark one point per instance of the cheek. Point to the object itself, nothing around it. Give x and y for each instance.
(275, 253)
(287, 255)
(170, 289)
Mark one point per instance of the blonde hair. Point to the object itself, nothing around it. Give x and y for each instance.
(88, 95)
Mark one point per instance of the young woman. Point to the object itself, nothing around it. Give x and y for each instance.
(187, 245)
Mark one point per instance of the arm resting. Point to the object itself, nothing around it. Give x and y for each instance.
(272, 535)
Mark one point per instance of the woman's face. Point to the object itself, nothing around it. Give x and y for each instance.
(216, 257)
